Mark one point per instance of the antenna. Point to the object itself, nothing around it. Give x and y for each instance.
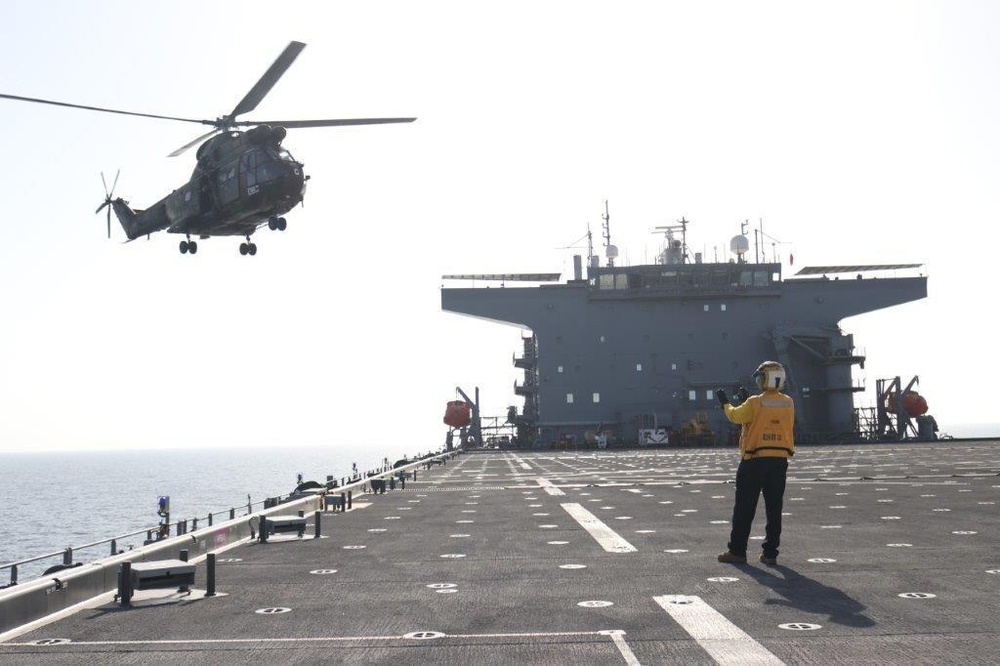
(674, 251)
(610, 250)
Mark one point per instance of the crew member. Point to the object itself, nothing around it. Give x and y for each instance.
(766, 444)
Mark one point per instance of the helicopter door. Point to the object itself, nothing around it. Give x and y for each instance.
(228, 184)
(248, 174)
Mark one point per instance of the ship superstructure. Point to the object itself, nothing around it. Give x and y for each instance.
(630, 352)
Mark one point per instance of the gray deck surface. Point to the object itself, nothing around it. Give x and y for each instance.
(889, 555)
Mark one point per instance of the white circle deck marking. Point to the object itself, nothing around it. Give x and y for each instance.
(665, 502)
(722, 579)
(917, 595)
(378, 529)
(557, 543)
(964, 532)
(534, 506)
(645, 531)
(800, 626)
(391, 518)
(464, 522)
(424, 635)
(323, 572)
(442, 586)
(50, 641)
(541, 514)
(899, 545)
(229, 560)
(941, 510)
(596, 604)
(821, 560)
(459, 536)
(719, 522)
(830, 527)
(623, 517)
(674, 551)
(354, 547)
(891, 518)
(453, 556)
(572, 566)
(445, 591)
(272, 611)
(468, 510)
(993, 571)
(548, 527)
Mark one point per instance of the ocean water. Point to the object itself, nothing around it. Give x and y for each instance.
(52, 500)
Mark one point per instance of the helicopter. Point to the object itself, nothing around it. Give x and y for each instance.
(243, 180)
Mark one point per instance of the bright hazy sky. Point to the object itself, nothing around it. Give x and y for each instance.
(859, 132)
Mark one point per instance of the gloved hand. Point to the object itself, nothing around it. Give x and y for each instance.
(721, 395)
(742, 394)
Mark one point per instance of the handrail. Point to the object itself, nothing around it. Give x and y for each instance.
(180, 526)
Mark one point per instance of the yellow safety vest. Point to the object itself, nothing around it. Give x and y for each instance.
(768, 420)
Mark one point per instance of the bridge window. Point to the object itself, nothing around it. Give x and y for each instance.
(692, 395)
(569, 398)
(597, 397)
(638, 367)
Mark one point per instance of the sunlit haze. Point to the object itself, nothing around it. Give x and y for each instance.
(853, 132)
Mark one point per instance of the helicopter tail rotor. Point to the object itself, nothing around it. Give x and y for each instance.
(107, 198)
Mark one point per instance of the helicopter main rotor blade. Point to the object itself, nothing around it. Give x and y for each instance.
(271, 76)
(191, 143)
(291, 124)
(99, 108)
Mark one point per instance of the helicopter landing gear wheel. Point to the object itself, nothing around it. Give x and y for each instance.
(277, 224)
(282, 224)
(248, 248)
(188, 246)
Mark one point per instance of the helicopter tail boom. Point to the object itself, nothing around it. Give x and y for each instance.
(127, 217)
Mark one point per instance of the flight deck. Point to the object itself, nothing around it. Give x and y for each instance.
(889, 555)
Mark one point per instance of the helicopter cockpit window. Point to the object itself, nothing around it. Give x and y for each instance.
(285, 155)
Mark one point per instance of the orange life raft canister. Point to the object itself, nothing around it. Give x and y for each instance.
(458, 414)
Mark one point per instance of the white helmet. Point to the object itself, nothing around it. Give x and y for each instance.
(770, 376)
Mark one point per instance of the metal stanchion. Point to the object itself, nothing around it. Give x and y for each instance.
(125, 583)
(317, 518)
(210, 575)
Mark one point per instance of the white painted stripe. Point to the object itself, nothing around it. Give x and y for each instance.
(609, 540)
(548, 487)
(618, 636)
(521, 462)
(720, 638)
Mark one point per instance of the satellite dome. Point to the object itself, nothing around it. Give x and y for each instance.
(739, 245)
(612, 251)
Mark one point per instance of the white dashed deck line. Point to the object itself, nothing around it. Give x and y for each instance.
(549, 488)
(618, 637)
(721, 639)
(608, 539)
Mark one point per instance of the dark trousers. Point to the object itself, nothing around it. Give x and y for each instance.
(753, 477)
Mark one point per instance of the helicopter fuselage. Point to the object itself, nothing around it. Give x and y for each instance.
(242, 181)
